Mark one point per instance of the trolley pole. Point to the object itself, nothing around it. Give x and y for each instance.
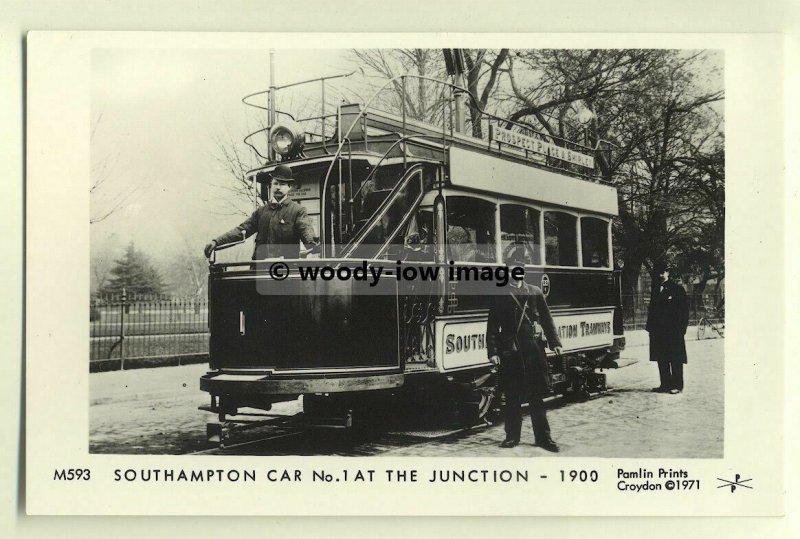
(461, 119)
(122, 331)
(271, 106)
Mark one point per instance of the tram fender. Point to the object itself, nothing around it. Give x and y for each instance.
(220, 384)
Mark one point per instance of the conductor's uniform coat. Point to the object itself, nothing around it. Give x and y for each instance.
(523, 364)
(279, 228)
(667, 320)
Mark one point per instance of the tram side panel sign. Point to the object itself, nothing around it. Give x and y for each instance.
(532, 144)
(463, 343)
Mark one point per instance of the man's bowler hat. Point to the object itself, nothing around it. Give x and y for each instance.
(282, 173)
(660, 267)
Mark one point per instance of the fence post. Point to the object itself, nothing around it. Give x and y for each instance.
(122, 332)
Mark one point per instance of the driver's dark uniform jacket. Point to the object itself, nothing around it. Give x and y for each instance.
(279, 228)
(523, 363)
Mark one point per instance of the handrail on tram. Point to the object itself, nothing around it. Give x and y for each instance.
(213, 258)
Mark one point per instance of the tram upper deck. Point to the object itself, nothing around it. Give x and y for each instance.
(361, 169)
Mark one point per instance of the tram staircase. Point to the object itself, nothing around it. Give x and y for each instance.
(422, 150)
(406, 195)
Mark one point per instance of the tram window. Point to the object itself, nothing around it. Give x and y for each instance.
(520, 225)
(470, 230)
(560, 239)
(594, 242)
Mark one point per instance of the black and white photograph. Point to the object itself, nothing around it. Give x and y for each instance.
(394, 252)
(307, 274)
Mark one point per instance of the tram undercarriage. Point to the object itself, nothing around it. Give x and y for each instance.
(422, 400)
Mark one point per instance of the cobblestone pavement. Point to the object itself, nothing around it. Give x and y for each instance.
(154, 411)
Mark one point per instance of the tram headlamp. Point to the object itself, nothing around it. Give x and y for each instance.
(286, 138)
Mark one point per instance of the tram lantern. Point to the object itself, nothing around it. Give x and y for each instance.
(286, 139)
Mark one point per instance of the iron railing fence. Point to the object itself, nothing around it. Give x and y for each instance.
(133, 327)
(707, 305)
(125, 327)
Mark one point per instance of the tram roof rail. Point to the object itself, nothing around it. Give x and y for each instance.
(501, 135)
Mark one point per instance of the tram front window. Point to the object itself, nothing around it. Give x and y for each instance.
(594, 242)
(560, 239)
(519, 225)
(470, 230)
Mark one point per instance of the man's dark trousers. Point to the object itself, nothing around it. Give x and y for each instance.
(518, 380)
(671, 374)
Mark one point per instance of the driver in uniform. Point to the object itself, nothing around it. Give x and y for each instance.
(279, 225)
(511, 339)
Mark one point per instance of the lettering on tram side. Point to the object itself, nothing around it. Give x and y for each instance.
(461, 344)
(524, 142)
(571, 331)
(464, 343)
(585, 330)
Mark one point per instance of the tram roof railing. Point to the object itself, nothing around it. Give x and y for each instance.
(500, 136)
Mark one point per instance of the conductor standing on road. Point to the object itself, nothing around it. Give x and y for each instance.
(511, 338)
(280, 224)
(667, 319)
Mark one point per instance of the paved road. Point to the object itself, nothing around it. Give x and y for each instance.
(154, 411)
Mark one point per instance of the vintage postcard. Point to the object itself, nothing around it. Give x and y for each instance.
(317, 274)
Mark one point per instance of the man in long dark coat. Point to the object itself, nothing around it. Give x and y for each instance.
(511, 342)
(667, 319)
(279, 225)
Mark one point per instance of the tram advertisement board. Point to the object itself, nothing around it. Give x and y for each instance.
(585, 330)
(462, 342)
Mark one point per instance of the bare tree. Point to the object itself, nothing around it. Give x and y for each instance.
(484, 68)
(238, 195)
(104, 201)
(186, 270)
(426, 100)
(423, 98)
(650, 108)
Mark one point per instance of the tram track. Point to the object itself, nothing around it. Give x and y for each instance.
(227, 447)
(365, 445)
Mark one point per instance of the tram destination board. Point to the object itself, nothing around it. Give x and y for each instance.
(283, 287)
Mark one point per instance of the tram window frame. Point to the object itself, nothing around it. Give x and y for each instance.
(574, 237)
(536, 246)
(486, 252)
(602, 247)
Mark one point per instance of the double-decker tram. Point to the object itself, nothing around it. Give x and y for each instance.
(383, 190)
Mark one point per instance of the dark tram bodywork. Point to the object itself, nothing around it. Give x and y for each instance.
(384, 189)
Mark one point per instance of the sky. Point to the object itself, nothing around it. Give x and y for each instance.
(155, 117)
